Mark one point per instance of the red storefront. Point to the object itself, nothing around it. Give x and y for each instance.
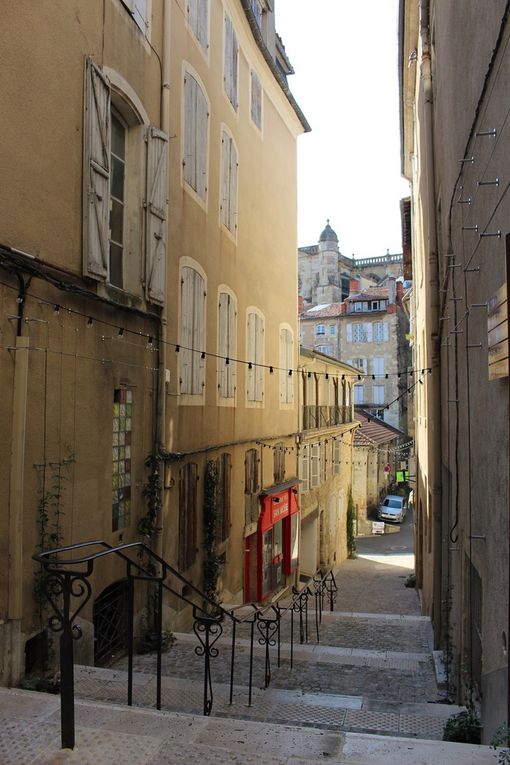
(271, 554)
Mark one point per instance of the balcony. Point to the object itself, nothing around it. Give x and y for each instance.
(325, 416)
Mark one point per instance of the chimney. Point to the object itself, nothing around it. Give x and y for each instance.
(391, 290)
(400, 293)
(354, 286)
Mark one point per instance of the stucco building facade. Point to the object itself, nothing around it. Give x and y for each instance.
(455, 154)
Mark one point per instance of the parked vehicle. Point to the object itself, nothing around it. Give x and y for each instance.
(393, 508)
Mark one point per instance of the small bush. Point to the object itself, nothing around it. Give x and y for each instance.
(464, 728)
(410, 581)
(501, 738)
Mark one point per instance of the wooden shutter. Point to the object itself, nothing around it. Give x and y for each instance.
(367, 326)
(226, 345)
(259, 346)
(193, 15)
(202, 123)
(157, 197)
(386, 330)
(186, 338)
(96, 173)
(250, 373)
(304, 469)
(315, 465)
(336, 457)
(378, 365)
(190, 119)
(225, 159)
(202, 26)
(227, 73)
(286, 380)
(348, 333)
(198, 334)
(223, 497)
(233, 169)
(235, 57)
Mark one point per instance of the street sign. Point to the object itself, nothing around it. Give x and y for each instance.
(387, 468)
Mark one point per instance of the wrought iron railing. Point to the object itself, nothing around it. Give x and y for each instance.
(68, 579)
(325, 416)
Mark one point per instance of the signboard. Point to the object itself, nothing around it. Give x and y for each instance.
(377, 527)
(497, 327)
(387, 468)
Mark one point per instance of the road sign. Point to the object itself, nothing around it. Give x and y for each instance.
(387, 468)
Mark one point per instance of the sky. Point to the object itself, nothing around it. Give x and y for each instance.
(345, 57)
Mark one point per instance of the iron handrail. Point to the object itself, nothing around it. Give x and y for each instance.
(64, 582)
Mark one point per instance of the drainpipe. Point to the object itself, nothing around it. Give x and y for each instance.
(161, 410)
(434, 400)
(16, 493)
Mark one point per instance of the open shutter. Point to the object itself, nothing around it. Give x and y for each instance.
(157, 191)
(223, 345)
(202, 29)
(304, 469)
(227, 75)
(193, 15)
(348, 333)
(315, 466)
(336, 457)
(250, 373)
(235, 57)
(231, 327)
(259, 345)
(198, 335)
(233, 166)
(185, 355)
(190, 129)
(225, 162)
(96, 173)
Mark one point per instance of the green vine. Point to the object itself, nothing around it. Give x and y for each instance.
(351, 518)
(49, 517)
(152, 492)
(212, 561)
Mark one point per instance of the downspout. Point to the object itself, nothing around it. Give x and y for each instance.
(161, 445)
(434, 395)
(16, 492)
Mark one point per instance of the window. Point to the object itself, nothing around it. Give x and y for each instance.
(378, 366)
(304, 468)
(192, 342)
(226, 345)
(255, 344)
(374, 305)
(378, 394)
(359, 394)
(279, 463)
(224, 467)
(337, 456)
(256, 99)
(229, 169)
(381, 331)
(332, 330)
(230, 72)
(320, 329)
(286, 365)
(125, 189)
(188, 478)
(358, 307)
(327, 349)
(358, 333)
(361, 364)
(196, 127)
(121, 458)
(251, 486)
(198, 20)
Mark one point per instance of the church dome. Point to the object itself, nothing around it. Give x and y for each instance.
(328, 235)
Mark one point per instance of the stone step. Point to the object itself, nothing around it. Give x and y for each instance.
(275, 705)
(109, 734)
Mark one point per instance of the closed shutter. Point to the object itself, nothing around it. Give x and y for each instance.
(96, 173)
(364, 366)
(185, 355)
(225, 162)
(227, 75)
(250, 373)
(202, 32)
(198, 335)
(386, 330)
(315, 466)
(235, 56)
(304, 469)
(226, 345)
(202, 117)
(157, 196)
(193, 15)
(336, 457)
(259, 346)
(367, 326)
(233, 169)
(190, 119)
(286, 380)
(348, 332)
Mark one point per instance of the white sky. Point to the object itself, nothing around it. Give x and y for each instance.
(344, 53)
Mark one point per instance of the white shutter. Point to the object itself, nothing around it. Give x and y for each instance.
(190, 114)
(157, 191)
(348, 333)
(286, 380)
(250, 373)
(304, 469)
(185, 355)
(202, 117)
(232, 187)
(315, 466)
(235, 58)
(259, 346)
(193, 15)
(202, 26)
(96, 173)
(378, 366)
(364, 366)
(386, 329)
(198, 335)
(367, 326)
(336, 457)
(231, 328)
(227, 74)
(223, 350)
(225, 161)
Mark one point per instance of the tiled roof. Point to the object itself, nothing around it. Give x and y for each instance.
(371, 293)
(372, 431)
(323, 311)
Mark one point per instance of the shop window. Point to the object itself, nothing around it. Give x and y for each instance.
(121, 458)
(231, 62)
(226, 345)
(228, 191)
(198, 20)
(196, 129)
(192, 340)
(224, 467)
(279, 463)
(188, 479)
